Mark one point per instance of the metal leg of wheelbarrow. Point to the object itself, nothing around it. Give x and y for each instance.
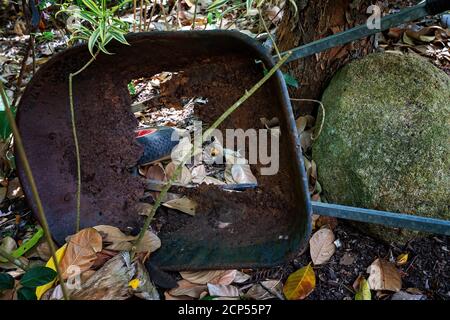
(391, 219)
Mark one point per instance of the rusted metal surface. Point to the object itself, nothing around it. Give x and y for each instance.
(105, 126)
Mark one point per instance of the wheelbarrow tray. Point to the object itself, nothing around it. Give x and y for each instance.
(254, 228)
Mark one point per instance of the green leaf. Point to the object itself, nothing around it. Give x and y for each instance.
(118, 36)
(28, 244)
(25, 293)
(363, 292)
(93, 40)
(37, 276)
(216, 4)
(88, 16)
(6, 281)
(290, 80)
(93, 6)
(5, 129)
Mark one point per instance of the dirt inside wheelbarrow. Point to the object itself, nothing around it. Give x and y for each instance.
(255, 215)
(252, 214)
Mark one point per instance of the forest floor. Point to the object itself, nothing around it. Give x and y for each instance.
(423, 263)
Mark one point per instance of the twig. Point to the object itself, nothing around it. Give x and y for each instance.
(195, 15)
(134, 15)
(75, 137)
(145, 14)
(166, 23)
(313, 137)
(205, 136)
(151, 15)
(13, 260)
(269, 34)
(22, 70)
(26, 167)
(141, 14)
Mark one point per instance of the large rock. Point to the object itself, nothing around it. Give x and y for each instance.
(385, 143)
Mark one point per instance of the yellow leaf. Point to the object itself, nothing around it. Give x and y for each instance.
(134, 283)
(51, 264)
(402, 259)
(300, 283)
(363, 292)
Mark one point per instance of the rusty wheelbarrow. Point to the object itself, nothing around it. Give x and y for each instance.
(265, 226)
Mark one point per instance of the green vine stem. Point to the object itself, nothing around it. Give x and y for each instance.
(26, 167)
(75, 138)
(268, 33)
(315, 136)
(205, 136)
(13, 260)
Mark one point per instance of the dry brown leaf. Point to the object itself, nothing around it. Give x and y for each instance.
(266, 290)
(241, 277)
(81, 252)
(168, 296)
(110, 282)
(224, 277)
(322, 246)
(156, 172)
(186, 288)
(14, 189)
(384, 276)
(198, 174)
(116, 238)
(184, 204)
(143, 208)
(43, 251)
(221, 290)
(184, 177)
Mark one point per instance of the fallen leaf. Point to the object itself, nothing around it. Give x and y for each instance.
(242, 173)
(143, 208)
(81, 252)
(363, 292)
(184, 176)
(186, 288)
(222, 290)
(184, 204)
(14, 189)
(265, 290)
(51, 264)
(142, 286)
(110, 282)
(43, 251)
(156, 172)
(241, 277)
(168, 296)
(402, 295)
(330, 222)
(198, 174)
(322, 246)
(384, 276)
(117, 239)
(300, 284)
(224, 277)
(211, 180)
(402, 259)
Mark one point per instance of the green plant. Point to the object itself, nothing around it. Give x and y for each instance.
(98, 24)
(5, 128)
(32, 279)
(45, 36)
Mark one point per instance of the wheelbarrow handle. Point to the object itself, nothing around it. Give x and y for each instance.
(386, 218)
(423, 9)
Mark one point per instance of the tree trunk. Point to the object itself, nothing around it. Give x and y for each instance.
(317, 19)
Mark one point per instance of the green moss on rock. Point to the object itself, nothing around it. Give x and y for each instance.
(385, 143)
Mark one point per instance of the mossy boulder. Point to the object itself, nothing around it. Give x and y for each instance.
(385, 142)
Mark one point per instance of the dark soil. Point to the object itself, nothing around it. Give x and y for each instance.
(251, 214)
(427, 269)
